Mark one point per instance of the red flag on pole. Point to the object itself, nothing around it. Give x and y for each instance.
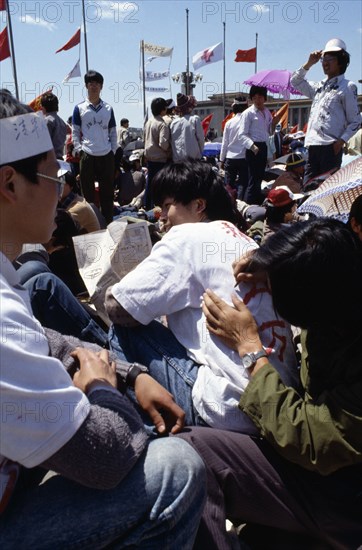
(4, 45)
(35, 104)
(71, 43)
(228, 117)
(246, 56)
(206, 123)
(2, 5)
(283, 113)
(294, 129)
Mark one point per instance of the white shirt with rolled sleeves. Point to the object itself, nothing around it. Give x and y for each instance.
(334, 113)
(41, 410)
(189, 259)
(255, 126)
(234, 144)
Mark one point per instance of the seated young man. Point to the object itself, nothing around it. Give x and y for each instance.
(204, 376)
(113, 487)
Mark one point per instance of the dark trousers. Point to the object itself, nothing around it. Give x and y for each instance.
(321, 159)
(248, 482)
(256, 168)
(99, 169)
(237, 168)
(152, 169)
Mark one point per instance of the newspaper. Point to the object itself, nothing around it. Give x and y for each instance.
(105, 257)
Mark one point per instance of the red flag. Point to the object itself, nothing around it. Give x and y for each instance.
(283, 112)
(2, 5)
(228, 117)
(246, 56)
(35, 103)
(294, 129)
(71, 43)
(206, 123)
(305, 127)
(4, 45)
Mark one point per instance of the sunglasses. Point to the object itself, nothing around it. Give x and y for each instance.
(328, 58)
(60, 183)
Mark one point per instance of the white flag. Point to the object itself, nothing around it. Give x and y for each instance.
(151, 89)
(157, 51)
(209, 55)
(150, 75)
(74, 72)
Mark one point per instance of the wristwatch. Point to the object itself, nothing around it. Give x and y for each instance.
(134, 370)
(249, 359)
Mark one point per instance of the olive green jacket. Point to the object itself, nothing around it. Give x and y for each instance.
(321, 434)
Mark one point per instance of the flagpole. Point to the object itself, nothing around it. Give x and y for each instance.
(187, 79)
(85, 38)
(256, 52)
(143, 78)
(224, 74)
(12, 50)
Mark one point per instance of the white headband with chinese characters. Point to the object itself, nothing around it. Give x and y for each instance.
(23, 136)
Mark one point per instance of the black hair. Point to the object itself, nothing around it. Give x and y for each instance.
(275, 214)
(50, 102)
(343, 59)
(356, 211)
(93, 76)
(124, 121)
(190, 180)
(10, 106)
(315, 272)
(258, 90)
(158, 105)
(241, 106)
(71, 180)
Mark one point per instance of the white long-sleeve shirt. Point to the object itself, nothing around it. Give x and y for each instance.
(234, 144)
(255, 126)
(334, 113)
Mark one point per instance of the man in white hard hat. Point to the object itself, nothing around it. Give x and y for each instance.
(334, 116)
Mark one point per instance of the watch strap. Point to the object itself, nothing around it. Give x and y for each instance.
(134, 370)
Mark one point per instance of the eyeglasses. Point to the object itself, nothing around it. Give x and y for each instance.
(60, 183)
(328, 58)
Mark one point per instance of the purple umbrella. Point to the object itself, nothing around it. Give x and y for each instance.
(275, 81)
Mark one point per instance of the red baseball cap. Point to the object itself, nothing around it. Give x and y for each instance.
(281, 196)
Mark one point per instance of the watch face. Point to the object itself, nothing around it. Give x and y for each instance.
(248, 361)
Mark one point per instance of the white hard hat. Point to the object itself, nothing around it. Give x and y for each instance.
(335, 45)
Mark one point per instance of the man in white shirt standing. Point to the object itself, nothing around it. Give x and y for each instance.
(256, 126)
(95, 138)
(233, 149)
(334, 116)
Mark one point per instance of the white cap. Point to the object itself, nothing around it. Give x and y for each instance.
(335, 45)
(64, 167)
(23, 136)
(134, 156)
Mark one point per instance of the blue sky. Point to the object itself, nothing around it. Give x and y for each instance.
(287, 32)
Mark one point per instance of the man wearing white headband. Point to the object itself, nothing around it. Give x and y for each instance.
(334, 116)
(111, 487)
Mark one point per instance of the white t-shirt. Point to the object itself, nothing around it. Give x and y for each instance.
(171, 281)
(40, 408)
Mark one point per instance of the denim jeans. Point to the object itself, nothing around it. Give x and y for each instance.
(237, 168)
(55, 307)
(156, 347)
(157, 506)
